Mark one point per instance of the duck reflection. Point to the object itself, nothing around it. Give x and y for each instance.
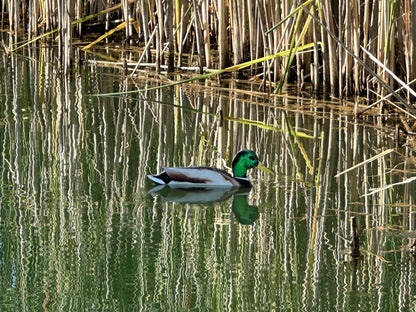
(243, 212)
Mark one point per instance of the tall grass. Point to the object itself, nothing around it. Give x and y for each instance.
(219, 33)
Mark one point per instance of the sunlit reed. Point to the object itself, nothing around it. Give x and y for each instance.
(218, 33)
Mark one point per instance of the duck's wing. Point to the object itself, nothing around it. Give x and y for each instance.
(199, 176)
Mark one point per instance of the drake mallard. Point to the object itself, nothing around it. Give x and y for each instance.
(210, 176)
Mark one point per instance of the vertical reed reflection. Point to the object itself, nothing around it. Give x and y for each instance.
(80, 231)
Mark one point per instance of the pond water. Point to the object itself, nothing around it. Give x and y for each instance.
(82, 229)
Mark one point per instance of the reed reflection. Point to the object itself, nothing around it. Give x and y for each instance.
(79, 227)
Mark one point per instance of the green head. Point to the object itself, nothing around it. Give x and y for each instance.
(243, 161)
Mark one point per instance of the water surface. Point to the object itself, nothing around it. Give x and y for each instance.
(81, 228)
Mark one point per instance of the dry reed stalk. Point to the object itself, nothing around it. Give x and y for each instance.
(180, 34)
(48, 8)
(242, 5)
(309, 34)
(205, 17)
(411, 72)
(106, 35)
(3, 4)
(315, 64)
(144, 23)
(381, 39)
(235, 32)
(390, 45)
(266, 42)
(78, 15)
(277, 41)
(409, 41)
(330, 59)
(199, 36)
(251, 32)
(178, 20)
(385, 28)
(159, 37)
(356, 41)
(126, 18)
(106, 19)
(171, 56)
(366, 37)
(145, 51)
(33, 18)
(65, 13)
(223, 47)
(14, 18)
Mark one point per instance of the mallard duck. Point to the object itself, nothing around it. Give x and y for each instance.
(209, 176)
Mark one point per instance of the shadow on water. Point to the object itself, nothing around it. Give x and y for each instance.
(79, 231)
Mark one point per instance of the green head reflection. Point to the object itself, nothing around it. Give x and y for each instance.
(244, 213)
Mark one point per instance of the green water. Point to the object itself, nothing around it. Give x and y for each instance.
(82, 230)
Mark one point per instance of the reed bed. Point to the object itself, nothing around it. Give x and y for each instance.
(75, 206)
(219, 33)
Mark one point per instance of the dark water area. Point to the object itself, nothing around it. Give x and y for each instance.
(83, 229)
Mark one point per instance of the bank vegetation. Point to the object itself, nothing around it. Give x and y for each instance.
(340, 48)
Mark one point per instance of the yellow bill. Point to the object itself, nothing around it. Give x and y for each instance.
(263, 168)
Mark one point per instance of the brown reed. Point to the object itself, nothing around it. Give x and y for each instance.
(219, 33)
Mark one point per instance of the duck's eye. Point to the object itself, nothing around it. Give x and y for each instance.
(252, 158)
